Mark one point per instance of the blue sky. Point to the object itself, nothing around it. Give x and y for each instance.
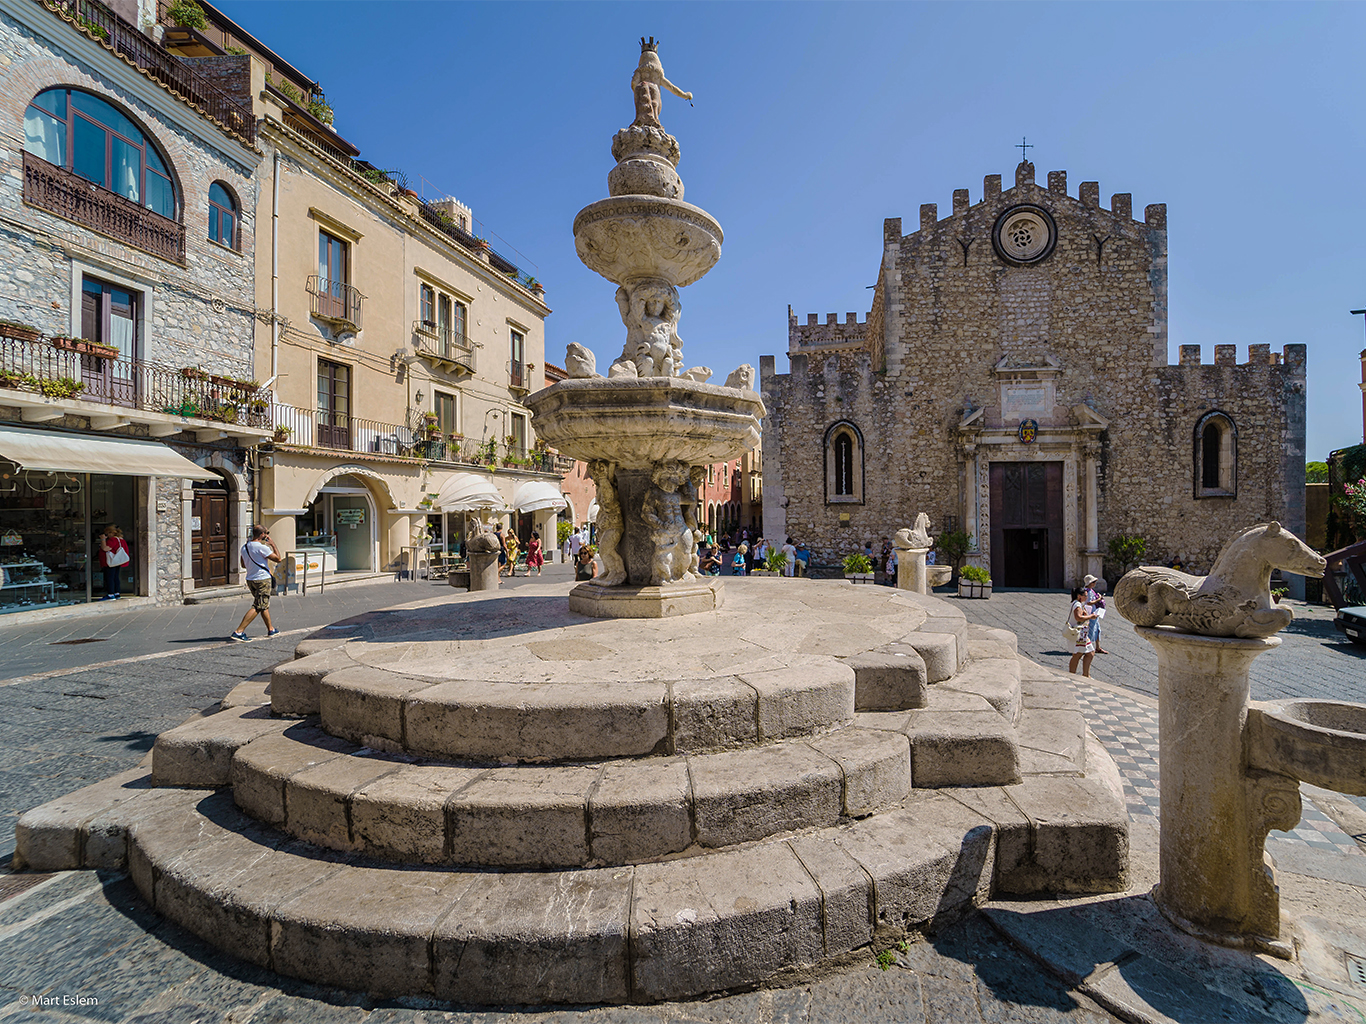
(813, 122)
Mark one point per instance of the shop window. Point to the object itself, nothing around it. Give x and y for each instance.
(81, 133)
(223, 221)
(1216, 456)
(843, 464)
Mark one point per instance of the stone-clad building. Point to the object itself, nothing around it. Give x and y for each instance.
(128, 185)
(1011, 379)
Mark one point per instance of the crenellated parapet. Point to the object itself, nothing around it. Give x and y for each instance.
(830, 336)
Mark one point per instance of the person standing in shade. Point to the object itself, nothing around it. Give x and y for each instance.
(256, 557)
(113, 557)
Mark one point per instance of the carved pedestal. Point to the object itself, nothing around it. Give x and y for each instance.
(1216, 879)
(911, 571)
(483, 570)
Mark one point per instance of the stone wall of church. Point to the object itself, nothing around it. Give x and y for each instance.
(1087, 325)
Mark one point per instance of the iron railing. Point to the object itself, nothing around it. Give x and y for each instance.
(128, 41)
(335, 302)
(444, 345)
(42, 368)
(342, 432)
(519, 376)
(73, 198)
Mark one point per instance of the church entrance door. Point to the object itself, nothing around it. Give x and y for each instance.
(1026, 524)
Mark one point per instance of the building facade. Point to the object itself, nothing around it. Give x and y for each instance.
(396, 343)
(127, 243)
(1012, 381)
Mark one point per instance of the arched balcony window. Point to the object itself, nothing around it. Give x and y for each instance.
(223, 218)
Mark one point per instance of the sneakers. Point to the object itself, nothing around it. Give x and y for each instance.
(271, 633)
(240, 637)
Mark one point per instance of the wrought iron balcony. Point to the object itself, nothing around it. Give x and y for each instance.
(49, 372)
(73, 198)
(519, 375)
(335, 302)
(129, 42)
(443, 346)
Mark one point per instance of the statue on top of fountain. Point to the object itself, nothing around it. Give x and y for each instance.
(646, 82)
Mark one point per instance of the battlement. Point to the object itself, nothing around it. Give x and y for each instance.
(1088, 194)
(813, 334)
(1292, 356)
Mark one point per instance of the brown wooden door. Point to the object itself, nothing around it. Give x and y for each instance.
(1026, 524)
(209, 543)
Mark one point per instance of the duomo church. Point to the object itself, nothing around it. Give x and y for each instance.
(1012, 380)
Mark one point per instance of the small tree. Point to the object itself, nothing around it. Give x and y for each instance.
(952, 547)
(1127, 551)
(1316, 472)
(562, 531)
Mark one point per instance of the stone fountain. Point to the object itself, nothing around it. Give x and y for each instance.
(647, 429)
(589, 795)
(1231, 767)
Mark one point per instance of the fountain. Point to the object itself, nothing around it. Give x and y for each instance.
(1232, 767)
(623, 791)
(648, 429)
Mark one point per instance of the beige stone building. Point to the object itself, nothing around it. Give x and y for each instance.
(395, 342)
(1011, 379)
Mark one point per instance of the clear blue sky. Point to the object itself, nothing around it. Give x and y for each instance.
(814, 121)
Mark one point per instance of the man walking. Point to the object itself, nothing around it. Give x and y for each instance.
(575, 546)
(256, 556)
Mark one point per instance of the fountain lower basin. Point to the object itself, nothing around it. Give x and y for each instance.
(1321, 742)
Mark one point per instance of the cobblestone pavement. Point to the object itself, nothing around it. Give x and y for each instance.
(85, 936)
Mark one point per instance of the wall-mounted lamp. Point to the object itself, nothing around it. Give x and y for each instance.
(417, 396)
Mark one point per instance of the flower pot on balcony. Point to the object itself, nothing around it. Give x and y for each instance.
(102, 351)
(68, 344)
(283, 433)
(19, 332)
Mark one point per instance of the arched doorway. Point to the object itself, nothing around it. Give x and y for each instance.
(342, 520)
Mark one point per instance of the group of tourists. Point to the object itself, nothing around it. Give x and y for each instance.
(743, 557)
(1083, 624)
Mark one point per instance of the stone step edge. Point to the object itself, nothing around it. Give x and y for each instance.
(632, 934)
(315, 788)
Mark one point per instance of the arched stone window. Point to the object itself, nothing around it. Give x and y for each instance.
(843, 464)
(1216, 456)
(223, 217)
(82, 133)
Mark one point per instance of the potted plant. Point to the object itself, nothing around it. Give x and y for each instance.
(1279, 592)
(774, 563)
(19, 331)
(431, 424)
(952, 547)
(193, 373)
(974, 581)
(283, 433)
(858, 568)
(188, 14)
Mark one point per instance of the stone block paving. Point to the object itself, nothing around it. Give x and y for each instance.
(87, 945)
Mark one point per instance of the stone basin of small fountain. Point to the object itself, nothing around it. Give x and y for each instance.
(1321, 742)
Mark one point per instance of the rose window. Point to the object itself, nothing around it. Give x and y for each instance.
(1024, 234)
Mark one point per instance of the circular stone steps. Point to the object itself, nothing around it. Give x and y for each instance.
(344, 797)
(577, 720)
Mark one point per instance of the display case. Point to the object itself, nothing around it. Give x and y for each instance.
(25, 582)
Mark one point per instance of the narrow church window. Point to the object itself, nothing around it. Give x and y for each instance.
(1216, 456)
(843, 464)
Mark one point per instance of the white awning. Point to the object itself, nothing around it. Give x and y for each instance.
(535, 495)
(593, 511)
(54, 452)
(469, 492)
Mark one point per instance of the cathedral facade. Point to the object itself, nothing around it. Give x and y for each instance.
(1012, 380)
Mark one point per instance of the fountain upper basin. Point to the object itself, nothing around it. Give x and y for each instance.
(638, 422)
(631, 238)
(1321, 742)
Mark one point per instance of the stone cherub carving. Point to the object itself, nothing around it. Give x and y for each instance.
(611, 524)
(663, 514)
(1233, 600)
(650, 310)
(646, 83)
(687, 495)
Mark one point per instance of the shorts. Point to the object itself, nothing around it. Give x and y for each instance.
(260, 593)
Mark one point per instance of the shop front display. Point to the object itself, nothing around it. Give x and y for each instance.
(338, 527)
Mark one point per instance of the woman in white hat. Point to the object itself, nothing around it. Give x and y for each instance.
(1095, 604)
